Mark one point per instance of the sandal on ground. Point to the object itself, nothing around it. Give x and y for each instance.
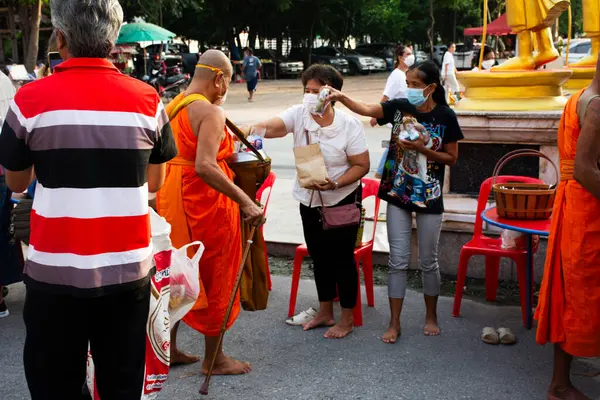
(506, 336)
(490, 336)
(302, 318)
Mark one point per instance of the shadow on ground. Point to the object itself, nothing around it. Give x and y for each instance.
(292, 364)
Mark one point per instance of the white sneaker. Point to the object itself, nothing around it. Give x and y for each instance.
(3, 310)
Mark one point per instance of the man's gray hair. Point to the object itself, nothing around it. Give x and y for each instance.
(90, 27)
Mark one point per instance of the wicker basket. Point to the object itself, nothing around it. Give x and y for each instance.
(523, 200)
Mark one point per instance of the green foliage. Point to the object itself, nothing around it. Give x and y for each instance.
(215, 21)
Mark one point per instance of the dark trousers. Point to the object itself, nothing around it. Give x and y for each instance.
(59, 328)
(332, 252)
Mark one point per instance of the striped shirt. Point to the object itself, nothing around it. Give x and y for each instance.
(90, 133)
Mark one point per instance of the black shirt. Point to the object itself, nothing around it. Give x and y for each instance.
(396, 186)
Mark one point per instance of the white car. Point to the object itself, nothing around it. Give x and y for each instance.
(380, 65)
(579, 48)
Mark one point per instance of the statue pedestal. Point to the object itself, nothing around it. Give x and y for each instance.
(582, 77)
(513, 90)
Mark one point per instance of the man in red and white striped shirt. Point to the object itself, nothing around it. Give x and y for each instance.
(98, 141)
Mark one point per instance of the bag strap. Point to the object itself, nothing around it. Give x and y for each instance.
(307, 135)
(237, 132)
(189, 99)
(186, 101)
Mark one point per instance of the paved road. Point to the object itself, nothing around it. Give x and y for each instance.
(291, 364)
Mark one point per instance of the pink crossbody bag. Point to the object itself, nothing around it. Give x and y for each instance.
(337, 216)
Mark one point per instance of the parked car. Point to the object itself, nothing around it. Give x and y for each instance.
(302, 54)
(380, 64)
(358, 64)
(464, 58)
(285, 66)
(420, 56)
(438, 53)
(579, 48)
(386, 51)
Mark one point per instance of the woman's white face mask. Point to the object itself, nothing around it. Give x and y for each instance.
(310, 101)
(487, 64)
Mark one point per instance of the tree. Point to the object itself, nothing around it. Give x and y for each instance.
(30, 15)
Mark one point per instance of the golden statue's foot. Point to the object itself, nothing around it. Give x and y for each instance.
(544, 57)
(587, 61)
(516, 63)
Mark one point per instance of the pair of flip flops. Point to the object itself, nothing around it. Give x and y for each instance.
(501, 336)
(303, 318)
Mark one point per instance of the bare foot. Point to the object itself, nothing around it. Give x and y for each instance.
(565, 393)
(339, 331)
(431, 328)
(391, 335)
(227, 366)
(319, 321)
(180, 358)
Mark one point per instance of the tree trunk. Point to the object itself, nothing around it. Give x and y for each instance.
(13, 31)
(454, 27)
(430, 29)
(279, 44)
(35, 16)
(311, 39)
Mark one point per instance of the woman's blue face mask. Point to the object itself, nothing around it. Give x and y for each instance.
(416, 97)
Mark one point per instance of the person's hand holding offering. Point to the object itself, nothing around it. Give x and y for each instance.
(334, 95)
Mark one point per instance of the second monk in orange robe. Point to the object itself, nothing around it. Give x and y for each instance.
(201, 202)
(568, 313)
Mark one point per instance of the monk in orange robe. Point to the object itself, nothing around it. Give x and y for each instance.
(568, 312)
(201, 202)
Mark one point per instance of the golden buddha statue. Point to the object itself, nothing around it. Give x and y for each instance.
(591, 28)
(528, 18)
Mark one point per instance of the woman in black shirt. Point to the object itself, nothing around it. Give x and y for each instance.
(406, 191)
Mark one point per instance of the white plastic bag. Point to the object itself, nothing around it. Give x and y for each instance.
(158, 325)
(512, 240)
(185, 282)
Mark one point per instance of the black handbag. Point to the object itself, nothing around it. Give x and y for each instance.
(11, 254)
(20, 220)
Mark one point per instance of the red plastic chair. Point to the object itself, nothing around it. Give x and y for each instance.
(362, 255)
(267, 184)
(492, 249)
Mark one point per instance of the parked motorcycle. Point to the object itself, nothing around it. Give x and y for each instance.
(168, 82)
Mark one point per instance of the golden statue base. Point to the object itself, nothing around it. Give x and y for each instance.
(513, 90)
(581, 78)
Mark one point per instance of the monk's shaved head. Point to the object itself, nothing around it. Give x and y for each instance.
(215, 59)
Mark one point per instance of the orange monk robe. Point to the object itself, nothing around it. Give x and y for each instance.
(198, 212)
(569, 307)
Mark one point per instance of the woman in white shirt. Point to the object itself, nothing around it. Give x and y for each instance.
(343, 144)
(395, 88)
(449, 70)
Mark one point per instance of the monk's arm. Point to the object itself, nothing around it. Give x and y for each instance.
(587, 157)
(210, 134)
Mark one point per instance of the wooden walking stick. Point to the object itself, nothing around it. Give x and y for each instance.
(204, 387)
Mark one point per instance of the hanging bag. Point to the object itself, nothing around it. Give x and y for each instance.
(340, 216)
(310, 164)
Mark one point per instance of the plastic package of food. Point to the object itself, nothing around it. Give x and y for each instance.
(322, 104)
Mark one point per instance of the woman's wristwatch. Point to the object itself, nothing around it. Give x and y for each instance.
(337, 185)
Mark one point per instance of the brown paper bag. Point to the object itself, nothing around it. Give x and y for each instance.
(310, 164)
